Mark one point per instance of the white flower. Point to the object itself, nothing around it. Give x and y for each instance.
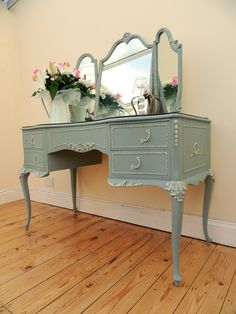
(64, 68)
(40, 81)
(104, 90)
(87, 83)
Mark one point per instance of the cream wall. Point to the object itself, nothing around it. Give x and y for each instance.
(61, 31)
(10, 102)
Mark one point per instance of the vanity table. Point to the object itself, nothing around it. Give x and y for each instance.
(170, 150)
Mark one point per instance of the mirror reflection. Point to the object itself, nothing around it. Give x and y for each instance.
(87, 69)
(125, 80)
(84, 110)
(168, 73)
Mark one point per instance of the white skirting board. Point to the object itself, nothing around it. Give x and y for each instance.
(222, 232)
(10, 195)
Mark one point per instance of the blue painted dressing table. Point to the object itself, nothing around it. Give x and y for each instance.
(170, 151)
(150, 142)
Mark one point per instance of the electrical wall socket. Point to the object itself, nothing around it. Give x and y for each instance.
(49, 181)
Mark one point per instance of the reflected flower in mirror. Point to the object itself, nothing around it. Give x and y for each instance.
(170, 90)
(170, 87)
(110, 103)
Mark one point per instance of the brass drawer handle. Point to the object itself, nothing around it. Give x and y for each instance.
(139, 162)
(145, 140)
(35, 158)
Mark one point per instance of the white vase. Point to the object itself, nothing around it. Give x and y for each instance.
(106, 112)
(79, 111)
(170, 103)
(60, 112)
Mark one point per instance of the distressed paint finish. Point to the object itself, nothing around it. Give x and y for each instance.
(184, 164)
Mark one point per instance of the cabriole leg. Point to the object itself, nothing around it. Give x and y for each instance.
(73, 172)
(25, 189)
(207, 197)
(177, 191)
(177, 217)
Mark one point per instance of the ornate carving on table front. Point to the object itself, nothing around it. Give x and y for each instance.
(197, 155)
(176, 189)
(80, 148)
(124, 183)
(196, 151)
(176, 132)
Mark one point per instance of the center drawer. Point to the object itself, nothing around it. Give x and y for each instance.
(151, 135)
(77, 139)
(139, 163)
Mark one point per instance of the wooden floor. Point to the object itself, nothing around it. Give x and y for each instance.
(89, 264)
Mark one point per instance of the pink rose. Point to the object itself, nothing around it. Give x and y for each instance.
(61, 66)
(36, 74)
(175, 80)
(117, 96)
(77, 73)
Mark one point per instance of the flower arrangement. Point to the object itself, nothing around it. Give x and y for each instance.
(60, 77)
(170, 88)
(110, 101)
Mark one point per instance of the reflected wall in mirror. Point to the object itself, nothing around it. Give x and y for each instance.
(84, 109)
(169, 70)
(124, 79)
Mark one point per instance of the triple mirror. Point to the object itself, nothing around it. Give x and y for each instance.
(134, 78)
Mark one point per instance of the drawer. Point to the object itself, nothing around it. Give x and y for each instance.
(151, 135)
(33, 140)
(78, 139)
(139, 163)
(34, 158)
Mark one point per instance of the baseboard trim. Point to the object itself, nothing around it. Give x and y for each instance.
(222, 232)
(10, 195)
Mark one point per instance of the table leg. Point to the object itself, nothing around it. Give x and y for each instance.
(73, 172)
(208, 190)
(177, 217)
(176, 191)
(25, 189)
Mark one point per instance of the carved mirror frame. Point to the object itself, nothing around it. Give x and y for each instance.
(93, 60)
(177, 48)
(156, 88)
(127, 37)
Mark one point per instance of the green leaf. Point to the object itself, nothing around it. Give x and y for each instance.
(53, 89)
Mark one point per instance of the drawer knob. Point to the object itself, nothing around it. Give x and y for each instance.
(145, 140)
(133, 167)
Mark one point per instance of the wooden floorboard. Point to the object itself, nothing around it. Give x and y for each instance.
(82, 263)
